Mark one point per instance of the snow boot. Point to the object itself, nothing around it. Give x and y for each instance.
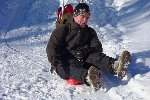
(121, 64)
(93, 78)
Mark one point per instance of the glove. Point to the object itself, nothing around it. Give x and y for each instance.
(54, 63)
(82, 52)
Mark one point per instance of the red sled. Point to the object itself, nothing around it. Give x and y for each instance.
(75, 82)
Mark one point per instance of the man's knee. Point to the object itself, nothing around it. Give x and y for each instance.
(62, 72)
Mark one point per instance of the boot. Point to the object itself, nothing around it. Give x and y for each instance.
(121, 64)
(93, 78)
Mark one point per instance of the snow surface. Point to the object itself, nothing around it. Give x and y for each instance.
(25, 29)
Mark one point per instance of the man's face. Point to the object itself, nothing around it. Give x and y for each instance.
(82, 19)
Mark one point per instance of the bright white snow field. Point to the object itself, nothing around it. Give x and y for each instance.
(25, 28)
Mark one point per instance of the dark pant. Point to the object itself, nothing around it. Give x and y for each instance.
(72, 68)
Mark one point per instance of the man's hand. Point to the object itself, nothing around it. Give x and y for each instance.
(54, 63)
(52, 69)
(82, 52)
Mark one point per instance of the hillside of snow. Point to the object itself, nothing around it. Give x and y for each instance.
(25, 28)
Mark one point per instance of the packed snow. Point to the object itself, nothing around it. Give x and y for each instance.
(26, 26)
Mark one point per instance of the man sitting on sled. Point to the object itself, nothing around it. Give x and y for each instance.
(76, 52)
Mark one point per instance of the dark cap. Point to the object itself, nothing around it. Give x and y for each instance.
(81, 8)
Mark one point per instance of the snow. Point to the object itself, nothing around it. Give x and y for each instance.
(25, 30)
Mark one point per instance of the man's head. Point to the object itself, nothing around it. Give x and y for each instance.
(81, 14)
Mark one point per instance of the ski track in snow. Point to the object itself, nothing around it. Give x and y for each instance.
(24, 69)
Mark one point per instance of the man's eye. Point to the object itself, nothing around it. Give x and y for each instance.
(86, 18)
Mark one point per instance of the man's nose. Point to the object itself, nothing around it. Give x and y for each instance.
(85, 20)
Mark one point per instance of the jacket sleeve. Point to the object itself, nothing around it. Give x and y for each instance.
(55, 42)
(93, 42)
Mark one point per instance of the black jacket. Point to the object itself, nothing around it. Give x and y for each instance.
(63, 43)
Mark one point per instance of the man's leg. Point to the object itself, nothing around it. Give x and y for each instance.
(63, 71)
(101, 61)
(85, 73)
(72, 69)
(109, 64)
(77, 71)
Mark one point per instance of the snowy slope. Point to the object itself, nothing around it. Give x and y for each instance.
(25, 29)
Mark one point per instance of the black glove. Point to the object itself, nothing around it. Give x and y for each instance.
(82, 52)
(54, 63)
